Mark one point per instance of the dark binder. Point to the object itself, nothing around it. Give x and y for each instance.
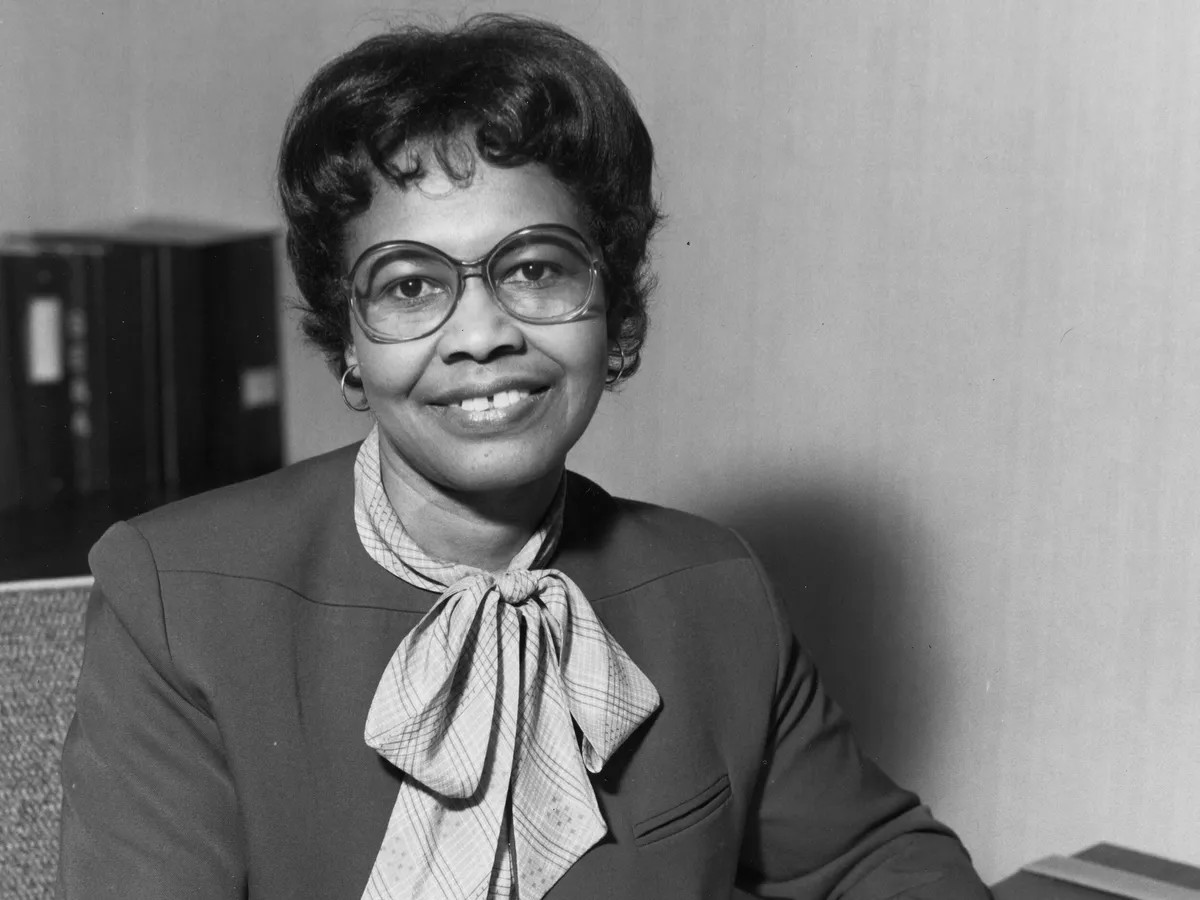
(36, 300)
(10, 486)
(242, 390)
(113, 397)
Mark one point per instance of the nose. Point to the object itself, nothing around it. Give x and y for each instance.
(479, 329)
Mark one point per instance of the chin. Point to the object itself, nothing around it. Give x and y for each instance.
(493, 476)
(492, 464)
(492, 479)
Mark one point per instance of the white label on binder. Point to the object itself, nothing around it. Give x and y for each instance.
(260, 387)
(44, 340)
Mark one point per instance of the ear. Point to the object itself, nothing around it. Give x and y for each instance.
(350, 354)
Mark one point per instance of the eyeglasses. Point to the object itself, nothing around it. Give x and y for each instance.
(404, 290)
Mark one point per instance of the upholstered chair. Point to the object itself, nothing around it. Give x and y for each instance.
(41, 648)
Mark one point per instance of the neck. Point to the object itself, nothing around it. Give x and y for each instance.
(484, 529)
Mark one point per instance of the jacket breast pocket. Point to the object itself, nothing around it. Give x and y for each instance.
(684, 815)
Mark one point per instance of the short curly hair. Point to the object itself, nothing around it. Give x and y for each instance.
(520, 91)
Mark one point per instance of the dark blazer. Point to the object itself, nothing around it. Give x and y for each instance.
(234, 644)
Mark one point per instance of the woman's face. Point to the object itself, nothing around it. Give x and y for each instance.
(417, 389)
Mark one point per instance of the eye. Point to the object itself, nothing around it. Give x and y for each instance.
(410, 287)
(403, 277)
(532, 272)
(411, 290)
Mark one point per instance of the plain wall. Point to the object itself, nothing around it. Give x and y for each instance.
(926, 333)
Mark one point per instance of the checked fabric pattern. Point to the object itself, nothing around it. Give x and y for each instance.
(479, 707)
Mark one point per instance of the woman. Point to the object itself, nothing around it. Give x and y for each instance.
(562, 694)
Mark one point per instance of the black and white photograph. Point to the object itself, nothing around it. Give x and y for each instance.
(651, 450)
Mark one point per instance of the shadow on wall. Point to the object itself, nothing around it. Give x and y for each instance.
(852, 569)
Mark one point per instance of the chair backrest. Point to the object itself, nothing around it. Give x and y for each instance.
(41, 649)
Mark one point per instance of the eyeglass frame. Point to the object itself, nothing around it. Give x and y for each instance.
(480, 268)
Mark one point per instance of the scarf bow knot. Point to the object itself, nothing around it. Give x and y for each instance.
(514, 587)
(479, 707)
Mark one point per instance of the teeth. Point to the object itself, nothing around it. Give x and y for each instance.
(508, 398)
(500, 400)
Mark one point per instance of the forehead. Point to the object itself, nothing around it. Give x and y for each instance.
(467, 218)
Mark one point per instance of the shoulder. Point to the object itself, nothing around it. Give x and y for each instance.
(684, 596)
(633, 542)
(243, 527)
(192, 573)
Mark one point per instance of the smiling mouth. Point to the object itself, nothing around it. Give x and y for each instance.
(499, 400)
(494, 403)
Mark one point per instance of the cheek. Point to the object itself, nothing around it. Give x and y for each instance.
(392, 368)
(580, 346)
(387, 368)
(590, 361)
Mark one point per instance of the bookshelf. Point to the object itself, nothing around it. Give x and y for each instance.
(138, 364)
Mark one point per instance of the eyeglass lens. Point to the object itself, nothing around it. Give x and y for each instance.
(408, 290)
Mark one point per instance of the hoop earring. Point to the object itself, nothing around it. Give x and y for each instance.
(611, 379)
(366, 403)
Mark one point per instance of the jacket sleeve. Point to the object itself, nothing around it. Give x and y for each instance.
(827, 822)
(149, 808)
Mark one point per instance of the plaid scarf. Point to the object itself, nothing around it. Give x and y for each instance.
(480, 706)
